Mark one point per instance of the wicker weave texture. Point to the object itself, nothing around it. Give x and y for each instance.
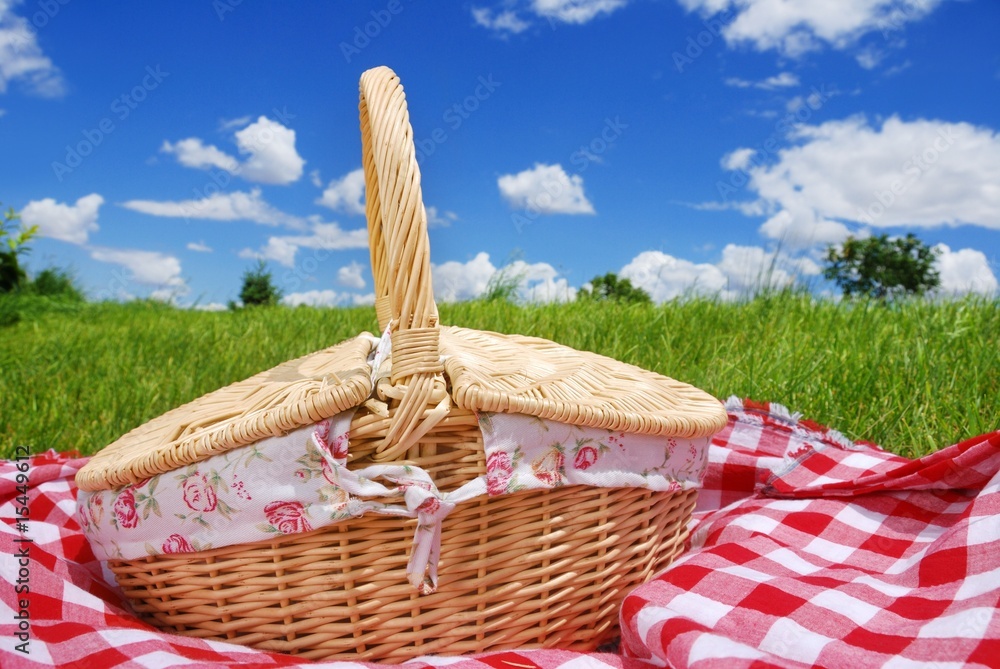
(295, 393)
(527, 375)
(527, 570)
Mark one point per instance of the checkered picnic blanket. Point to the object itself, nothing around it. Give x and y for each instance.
(810, 550)
(807, 549)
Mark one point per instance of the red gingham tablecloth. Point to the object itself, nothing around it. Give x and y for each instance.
(807, 549)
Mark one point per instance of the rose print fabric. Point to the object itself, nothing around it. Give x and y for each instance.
(281, 485)
(523, 453)
(300, 482)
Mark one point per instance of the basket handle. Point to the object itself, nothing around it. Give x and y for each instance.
(400, 257)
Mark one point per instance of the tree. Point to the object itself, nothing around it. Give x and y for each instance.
(11, 273)
(881, 267)
(258, 288)
(614, 289)
(56, 283)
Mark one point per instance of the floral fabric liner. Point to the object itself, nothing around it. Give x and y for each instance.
(300, 482)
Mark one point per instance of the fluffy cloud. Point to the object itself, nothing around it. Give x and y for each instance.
(149, 268)
(436, 219)
(269, 147)
(210, 306)
(272, 158)
(540, 282)
(346, 194)
(226, 124)
(70, 223)
(806, 230)
(351, 276)
(742, 270)
(545, 189)
(503, 21)
(22, 60)
(782, 80)
(575, 11)
(200, 247)
(738, 159)
(324, 236)
(921, 173)
(454, 281)
(536, 282)
(191, 152)
(665, 277)
(327, 298)
(752, 268)
(965, 271)
(235, 206)
(794, 27)
(512, 17)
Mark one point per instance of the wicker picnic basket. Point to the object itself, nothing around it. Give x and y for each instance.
(536, 568)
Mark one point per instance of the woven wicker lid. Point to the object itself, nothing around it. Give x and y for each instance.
(515, 374)
(430, 368)
(295, 393)
(487, 372)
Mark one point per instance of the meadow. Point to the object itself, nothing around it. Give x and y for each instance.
(912, 376)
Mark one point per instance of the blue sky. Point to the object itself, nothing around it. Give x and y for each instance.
(686, 144)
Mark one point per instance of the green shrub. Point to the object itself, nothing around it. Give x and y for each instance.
(258, 287)
(56, 283)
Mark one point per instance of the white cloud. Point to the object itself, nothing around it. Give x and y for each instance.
(272, 158)
(351, 276)
(539, 282)
(742, 270)
(536, 282)
(200, 247)
(454, 281)
(278, 249)
(226, 125)
(366, 300)
(436, 219)
(545, 189)
(316, 298)
(325, 236)
(70, 223)
(738, 159)
(869, 57)
(21, 58)
(150, 268)
(315, 179)
(346, 194)
(665, 277)
(781, 80)
(210, 306)
(965, 271)
(269, 147)
(504, 21)
(794, 27)
(168, 295)
(235, 206)
(575, 11)
(921, 173)
(191, 152)
(805, 230)
(327, 298)
(751, 268)
(513, 17)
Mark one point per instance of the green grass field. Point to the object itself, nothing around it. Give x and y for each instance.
(913, 377)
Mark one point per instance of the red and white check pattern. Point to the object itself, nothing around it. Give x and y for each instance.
(842, 555)
(809, 550)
